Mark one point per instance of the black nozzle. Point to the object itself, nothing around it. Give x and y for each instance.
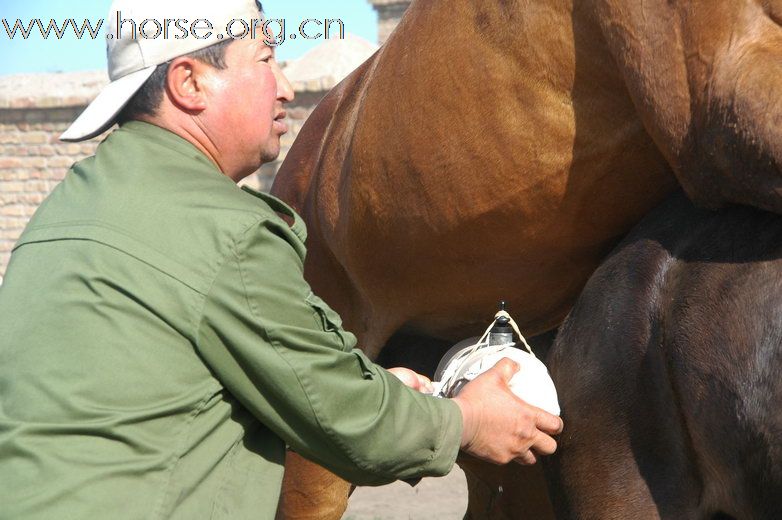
(502, 324)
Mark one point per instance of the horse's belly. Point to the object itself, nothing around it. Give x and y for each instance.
(437, 261)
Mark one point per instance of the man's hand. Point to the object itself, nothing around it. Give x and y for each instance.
(498, 426)
(412, 379)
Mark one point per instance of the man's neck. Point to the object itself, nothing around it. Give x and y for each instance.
(193, 133)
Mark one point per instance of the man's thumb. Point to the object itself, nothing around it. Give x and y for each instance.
(507, 369)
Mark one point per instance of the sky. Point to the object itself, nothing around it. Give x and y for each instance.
(37, 54)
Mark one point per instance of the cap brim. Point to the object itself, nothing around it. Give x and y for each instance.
(99, 115)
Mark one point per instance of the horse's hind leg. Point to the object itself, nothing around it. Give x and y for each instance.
(624, 453)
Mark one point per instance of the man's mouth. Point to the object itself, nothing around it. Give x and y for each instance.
(279, 122)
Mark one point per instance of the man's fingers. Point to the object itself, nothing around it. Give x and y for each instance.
(412, 379)
(407, 376)
(507, 368)
(425, 384)
(543, 444)
(526, 459)
(548, 423)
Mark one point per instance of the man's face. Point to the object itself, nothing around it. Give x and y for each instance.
(246, 105)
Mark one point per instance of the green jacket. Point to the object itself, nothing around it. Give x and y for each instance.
(159, 347)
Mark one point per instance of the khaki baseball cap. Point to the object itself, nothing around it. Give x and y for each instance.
(142, 34)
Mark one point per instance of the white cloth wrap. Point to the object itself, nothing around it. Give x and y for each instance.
(532, 383)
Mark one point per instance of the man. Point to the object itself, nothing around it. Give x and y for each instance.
(158, 344)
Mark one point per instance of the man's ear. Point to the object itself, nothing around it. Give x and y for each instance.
(185, 84)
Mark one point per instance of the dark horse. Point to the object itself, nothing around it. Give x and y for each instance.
(670, 372)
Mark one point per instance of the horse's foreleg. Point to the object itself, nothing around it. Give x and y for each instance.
(310, 492)
(624, 452)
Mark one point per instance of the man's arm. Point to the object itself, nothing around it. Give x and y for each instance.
(284, 355)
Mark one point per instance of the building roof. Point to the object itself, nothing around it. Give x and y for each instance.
(44, 90)
(329, 63)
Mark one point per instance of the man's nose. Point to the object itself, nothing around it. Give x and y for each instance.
(284, 89)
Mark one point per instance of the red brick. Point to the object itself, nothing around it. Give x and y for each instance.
(57, 175)
(35, 162)
(24, 151)
(11, 223)
(10, 137)
(89, 148)
(73, 149)
(10, 234)
(7, 198)
(15, 210)
(35, 186)
(33, 199)
(59, 162)
(7, 163)
(12, 187)
(35, 138)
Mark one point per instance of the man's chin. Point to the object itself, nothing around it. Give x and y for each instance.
(270, 155)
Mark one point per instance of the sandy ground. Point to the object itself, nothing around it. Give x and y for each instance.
(432, 499)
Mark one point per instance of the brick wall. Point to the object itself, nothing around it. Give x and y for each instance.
(33, 160)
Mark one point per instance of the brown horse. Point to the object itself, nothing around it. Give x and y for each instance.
(673, 403)
(501, 148)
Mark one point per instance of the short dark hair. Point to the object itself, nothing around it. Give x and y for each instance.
(146, 101)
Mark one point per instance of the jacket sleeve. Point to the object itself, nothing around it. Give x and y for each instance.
(283, 354)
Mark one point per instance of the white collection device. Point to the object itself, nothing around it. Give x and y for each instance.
(469, 358)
